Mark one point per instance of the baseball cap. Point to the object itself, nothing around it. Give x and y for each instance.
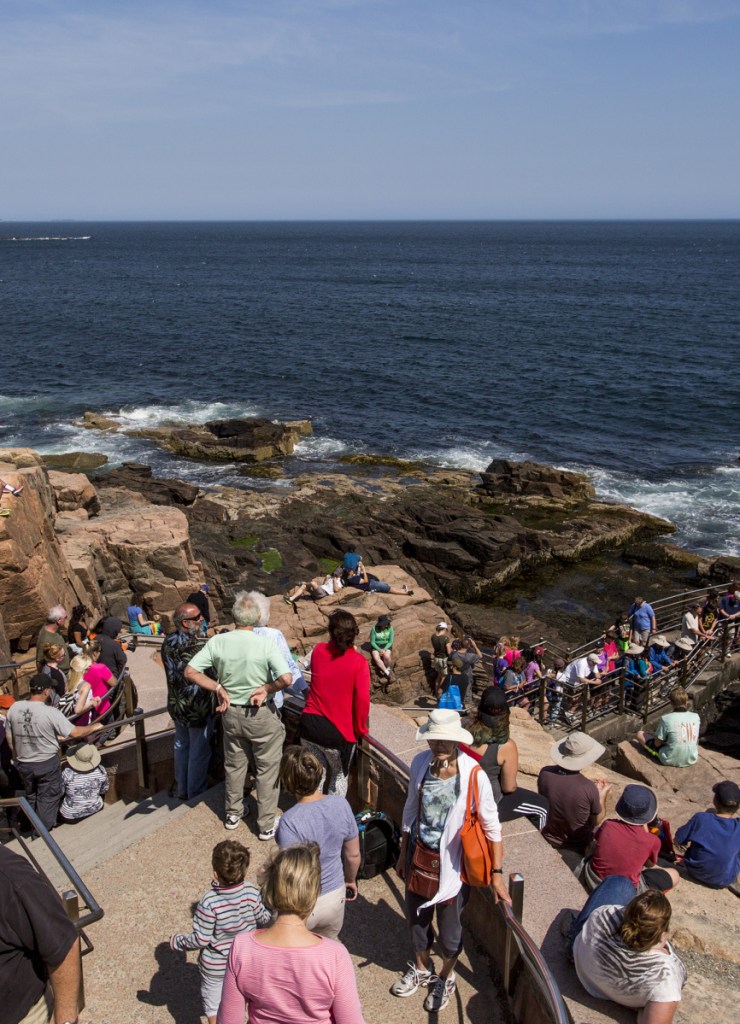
(728, 793)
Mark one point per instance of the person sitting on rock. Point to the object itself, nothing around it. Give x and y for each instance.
(317, 588)
(137, 620)
(658, 653)
(676, 738)
(576, 803)
(622, 952)
(351, 560)
(626, 847)
(381, 643)
(361, 581)
(85, 782)
(441, 650)
(711, 841)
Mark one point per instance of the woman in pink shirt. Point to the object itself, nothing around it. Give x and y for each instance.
(286, 974)
(100, 679)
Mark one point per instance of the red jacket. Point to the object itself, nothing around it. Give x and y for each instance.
(340, 689)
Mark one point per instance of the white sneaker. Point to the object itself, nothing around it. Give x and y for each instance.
(231, 822)
(439, 997)
(412, 981)
(269, 833)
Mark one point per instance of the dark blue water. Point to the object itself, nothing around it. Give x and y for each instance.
(606, 346)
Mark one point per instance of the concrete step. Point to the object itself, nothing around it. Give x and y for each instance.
(104, 835)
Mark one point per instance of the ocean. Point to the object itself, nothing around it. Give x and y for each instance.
(608, 347)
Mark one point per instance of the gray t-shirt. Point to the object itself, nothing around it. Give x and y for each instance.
(34, 728)
(328, 822)
(608, 969)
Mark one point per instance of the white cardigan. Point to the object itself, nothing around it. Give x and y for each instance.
(450, 848)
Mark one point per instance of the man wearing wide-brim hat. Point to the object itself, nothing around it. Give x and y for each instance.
(658, 653)
(576, 803)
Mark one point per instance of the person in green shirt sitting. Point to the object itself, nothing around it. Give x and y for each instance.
(381, 642)
(676, 738)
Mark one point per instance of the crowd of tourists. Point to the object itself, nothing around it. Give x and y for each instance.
(271, 945)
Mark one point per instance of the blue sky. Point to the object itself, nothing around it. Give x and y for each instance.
(218, 109)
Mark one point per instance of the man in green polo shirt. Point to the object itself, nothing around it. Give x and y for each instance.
(250, 670)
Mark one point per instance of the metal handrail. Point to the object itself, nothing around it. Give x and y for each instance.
(94, 910)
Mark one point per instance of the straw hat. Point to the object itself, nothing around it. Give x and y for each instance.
(83, 758)
(684, 644)
(660, 641)
(444, 724)
(637, 805)
(576, 751)
(635, 649)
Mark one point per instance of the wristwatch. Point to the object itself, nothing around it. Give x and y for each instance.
(498, 871)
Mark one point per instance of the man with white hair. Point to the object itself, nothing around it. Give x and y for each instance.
(298, 684)
(52, 633)
(250, 671)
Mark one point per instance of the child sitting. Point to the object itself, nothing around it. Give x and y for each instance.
(230, 906)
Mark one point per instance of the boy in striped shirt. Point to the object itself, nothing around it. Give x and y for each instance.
(230, 906)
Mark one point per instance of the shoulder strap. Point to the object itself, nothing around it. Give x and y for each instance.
(471, 785)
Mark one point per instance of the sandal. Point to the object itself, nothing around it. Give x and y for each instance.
(4, 511)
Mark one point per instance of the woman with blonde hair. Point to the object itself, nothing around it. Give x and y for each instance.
(53, 655)
(623, 954)
(285, 974)
(79, 697)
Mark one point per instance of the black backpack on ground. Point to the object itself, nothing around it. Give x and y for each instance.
(379, 843)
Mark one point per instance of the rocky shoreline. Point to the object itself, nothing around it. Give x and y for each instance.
(521, 548)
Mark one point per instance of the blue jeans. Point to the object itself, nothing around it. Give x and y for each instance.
(192, 757)
(614, 891)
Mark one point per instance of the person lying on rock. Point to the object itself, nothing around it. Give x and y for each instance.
(317, 588)
(710, 841)
(676, 738)
(361, 581)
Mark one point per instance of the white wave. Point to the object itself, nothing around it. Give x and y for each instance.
(180, 413)
(315, 448)
(475, 457)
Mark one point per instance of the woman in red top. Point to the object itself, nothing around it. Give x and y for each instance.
(338, 702)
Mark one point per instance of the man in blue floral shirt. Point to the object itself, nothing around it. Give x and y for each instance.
(190, 706)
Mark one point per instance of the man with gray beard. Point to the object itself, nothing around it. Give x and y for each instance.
(191, 708)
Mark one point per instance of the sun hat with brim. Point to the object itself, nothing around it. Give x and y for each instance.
(576, 751)
(443, 724)
(637, 805)
(684, 644)
(83, 758)
(593, 658)
(635, 649)
(660, 641)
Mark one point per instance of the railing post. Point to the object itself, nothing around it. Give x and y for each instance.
(142, 756)
(622, 684)
(516, 891)
(71, 903)
(646, 699)
(585, 695)
(543, 688)
(725, 641)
